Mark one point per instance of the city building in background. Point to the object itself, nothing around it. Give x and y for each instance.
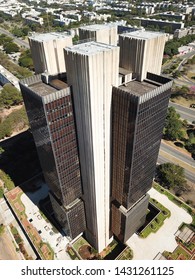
(137, 51)
(102, 33)
(47, 52)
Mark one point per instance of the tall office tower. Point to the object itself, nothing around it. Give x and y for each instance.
(92, 69)
(48, 103)
(47, 52)
(142, 52)
(102, 33)
(138, 115)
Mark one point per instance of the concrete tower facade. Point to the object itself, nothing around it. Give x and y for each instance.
(92, 70)
(142, 52)
(47, 52)
(102, 33)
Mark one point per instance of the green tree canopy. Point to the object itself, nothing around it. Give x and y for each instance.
(173, 125)
(11, 48)
(25, 60)
(10, 96)
(172, 176)
(190, 144)
(4, 39)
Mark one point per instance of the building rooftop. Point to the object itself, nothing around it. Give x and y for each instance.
(95, 27)
(90, 48)
(42, 89)
(124, 71)
(139, 88)
(142, 34)
(42, 37)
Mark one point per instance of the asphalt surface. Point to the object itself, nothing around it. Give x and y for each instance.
(174, 152)
(16, 40)
(185, 57)
(185, 113)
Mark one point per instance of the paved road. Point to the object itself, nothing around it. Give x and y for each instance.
(16, 40)
(185, 57)
(185, 113)
(189, 175)
(174, 152)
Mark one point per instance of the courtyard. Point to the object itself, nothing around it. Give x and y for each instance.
(164, 238)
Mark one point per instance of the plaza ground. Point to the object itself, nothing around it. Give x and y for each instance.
(164, 238)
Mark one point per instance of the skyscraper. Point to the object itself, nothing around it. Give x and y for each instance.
(138, 114)
(48, 103)
(92, 70)
(141, 52)
(97, 130)
(48, 51)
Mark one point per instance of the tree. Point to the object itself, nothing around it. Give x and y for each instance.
(16, 31)
(11, 48)
(10, 96)
(173, 125)
(75, 39)
(26, 62)
(4, 39)
(176, 74)
(172, 176)
(190, 144)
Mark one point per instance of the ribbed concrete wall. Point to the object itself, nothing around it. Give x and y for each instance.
(141, 55)
(92, 69)
(106, 34)
(48, 55)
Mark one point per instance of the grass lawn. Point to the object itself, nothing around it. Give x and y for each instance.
(2, 228)
(72, 254)
(179, 253)
(80, 242)
(158, 221)
(127, 254)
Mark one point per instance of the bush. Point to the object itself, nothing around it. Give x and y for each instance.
(164, 213)
(178, 144)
